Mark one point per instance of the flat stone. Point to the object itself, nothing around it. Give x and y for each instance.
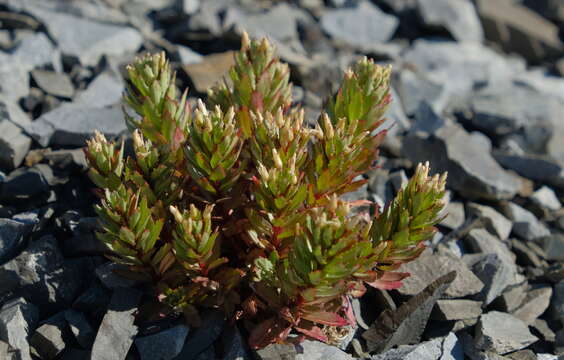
(306, 350)
(427, 268)
(525, 224)
(546, 198)
(406, 324)
(18, 320)
(108, 275)
(481, 241)
(51, 337)
(164, 345)
(24, 183)
(14, 144)
(72, 124)
(203, 337)
(188, 56)
(534, 167)
(502, 333)
(415, 89)
(57, 84)
(554, 247)
(211, 70)
(92, 300)
(448, 348)
(36, 50)
(234, 345)
(456, 309)
(362, 25)
(475, 177)
(459, 17)
(494, 274)
(522, 355)
(89, 40)
(117, 331)
(541, 327)
(12, 238)
(14, 79)
(525, 255)
(105, 90)
(80, 328)
(495, 222)
(9, 353)
(455, 215)
(534, 305)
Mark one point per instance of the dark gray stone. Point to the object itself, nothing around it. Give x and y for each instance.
(456, 309)
(203, 337)
(57, 84)
(234, 345)
(525, 224)
(415, 90)
(306, 350)
(94, 299)
(554, 247)
(494, 274)
(495, 223)
(24, 183)
(459, 17)
(117, 331)
(14, 145)
(481, 241)
(407, 323)
(12, 238)
(361, 26)
(534, 167)
(80, 328)
(455, 215)
(472, 171)
(502, 333)
(18, 320)
(165, 345)
(108, 274)
(534, 305)
(448, 348)
(51, 337)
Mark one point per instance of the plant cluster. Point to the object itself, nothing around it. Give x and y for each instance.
(237, 205)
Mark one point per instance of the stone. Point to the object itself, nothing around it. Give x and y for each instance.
(525, 224)
(360, 26)
(456, 309)
(117, 331)
(481, 241)
(553, 246)
(89, 40)
(80, 328)
(494, 274)
(14, 79)
(18, 320)
(448, 348)
(525, 255)
(14, 145)
(406, 324)
(427, 268)
(306, 350)
(534, 305)
(24, 183)
(473, 173)
(534, 167)
(522, 355)
(415, 90)
(165, 345)
(518, 29)
(72, 124)
(502, 333)
(211, 70)
(188, 56)
(458, 17)
(203, 337)
(495, 223)
(92, 299)
(455, 215)
(546, 198)
(51, 337)
(108, 275)
(105, 90)
(542, 329)
(56, 84)
(40, 275)
(13, 237)
(36, 50)
(234, 345)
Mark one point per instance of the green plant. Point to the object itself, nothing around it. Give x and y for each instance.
(236, 204)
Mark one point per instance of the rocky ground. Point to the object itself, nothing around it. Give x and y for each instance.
(477, 92)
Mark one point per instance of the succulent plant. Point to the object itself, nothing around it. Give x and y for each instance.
(237, 204)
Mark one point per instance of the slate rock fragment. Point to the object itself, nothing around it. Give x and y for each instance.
(164, 345)
(502, 333)
(18, 320)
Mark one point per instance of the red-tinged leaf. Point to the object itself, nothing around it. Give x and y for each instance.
(257, 101)
(349, 312)
(269, 331)
(360, 202)
(325, 318)
(389, 280)
(315, 333)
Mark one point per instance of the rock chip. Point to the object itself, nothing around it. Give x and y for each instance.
(502, 333)
(18, 319)
(116, 333)
(51, 337)
(495, 223)
(14, 144)
(406, 324)
(554, 247)
(56, 84)
(427, 268)
(525, 224)
(448, 348)
(165, 345)
(534, 305)
(472, 171)
(459, 17)
(456, 309)
(546, 199)
(12, 238)
(306, 350)
(105, 90)
(36, 50)
(534, 167)
(421, 96)
(455, 215)
(80, 328)
(494, 274)
(211, 70)
(203, 337)
(361, 26)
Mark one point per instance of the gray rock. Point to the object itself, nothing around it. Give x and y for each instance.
(306, 350)
(546, 198)
(116, 333)
(234, 345)
(427, 268)
(14, 145)
(525, 224)
(459, 17)
(36, 50)
(525, 254)
(108, 275)
(14, 79)
(554, 247)
(481, 241)
(495, 223)
(165, 345)
(361, 26)
(18, 319)
(534, 167)
(12, 238)
(426, 118)
(456, 309)
(57, 84)
(415, 89)
(51, 337)
(188, 56)
(41, 276)
(542, 328)
(472, 171)
(73, 124)
(455, 215)
(9, 353)
(80, 328)
(534, 305)
(502, 333)
(203, 337)
(406, 324)
(24, 183)
(89, 40)
(448, 348)
(494, 274)
(104, 90)
(92, 300)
